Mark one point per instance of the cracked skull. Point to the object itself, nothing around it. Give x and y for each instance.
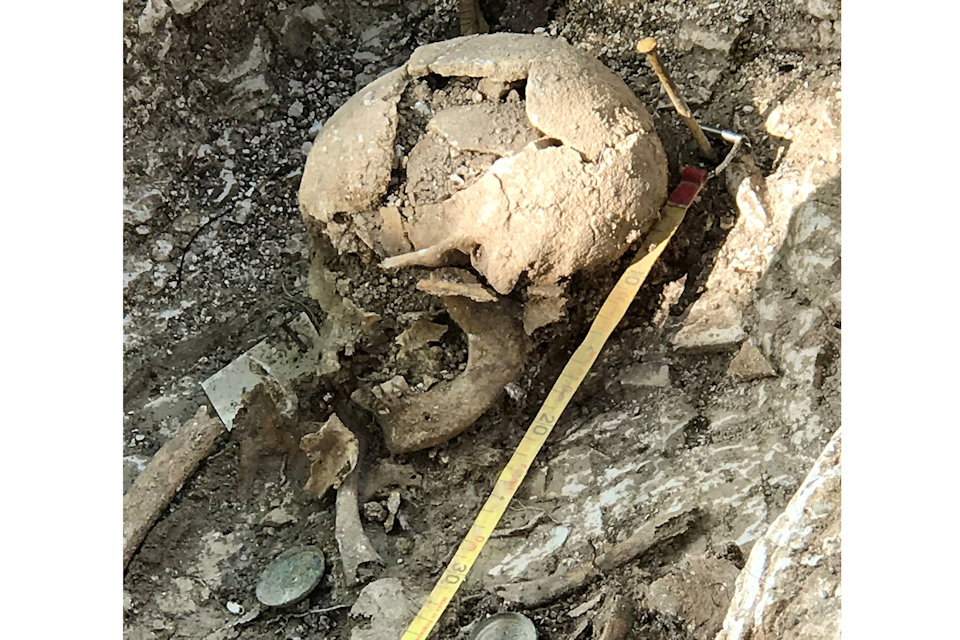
(515, 155)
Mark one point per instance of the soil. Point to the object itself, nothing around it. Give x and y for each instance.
(221, 105)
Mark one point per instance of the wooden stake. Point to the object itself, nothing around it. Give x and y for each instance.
(648, 46)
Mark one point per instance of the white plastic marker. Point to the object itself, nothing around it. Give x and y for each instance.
(609, 316)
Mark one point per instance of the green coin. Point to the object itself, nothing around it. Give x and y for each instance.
(291, 576)
(505, 626)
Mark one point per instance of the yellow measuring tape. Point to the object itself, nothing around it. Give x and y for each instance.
(609, 316)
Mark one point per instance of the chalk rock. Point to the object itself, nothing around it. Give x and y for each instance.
(697, 591)
(389, 608)
(140, 207)
(790, 585)
(646, 374)
(713, 322)
(186, 7)
(710, 38)
(749, 364)
(277, 518)
(824, 9)
(155, 12)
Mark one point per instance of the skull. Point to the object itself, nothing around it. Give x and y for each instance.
(516, 154)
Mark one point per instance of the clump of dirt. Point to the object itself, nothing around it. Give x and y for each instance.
(394, 299)
(428, 170)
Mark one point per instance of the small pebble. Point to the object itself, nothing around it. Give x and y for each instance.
(748, 108)
(515, 391)
(421, 107)
(234, 608)
(162, 249)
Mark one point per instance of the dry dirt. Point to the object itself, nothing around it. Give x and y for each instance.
(222, 100)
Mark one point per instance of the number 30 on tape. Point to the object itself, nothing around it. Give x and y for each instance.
(569, 380)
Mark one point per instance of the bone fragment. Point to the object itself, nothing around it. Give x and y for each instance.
(456, 282)
(393, 503)
(355, 548)
(578, 215)
(163, 476)
(344, 175)
(389, 474)
(615, 619)
(420, 334)
(501, 129)
(505, 57)
(497, 352)
(333, 452)
(539, 312)
(578, 611)
(393, 239)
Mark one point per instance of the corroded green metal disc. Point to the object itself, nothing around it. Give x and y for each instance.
(291, 576)
(505, 626)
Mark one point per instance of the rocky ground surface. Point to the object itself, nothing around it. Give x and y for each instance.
(716, 395)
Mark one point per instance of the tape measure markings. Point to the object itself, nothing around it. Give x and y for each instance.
(574, 372)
